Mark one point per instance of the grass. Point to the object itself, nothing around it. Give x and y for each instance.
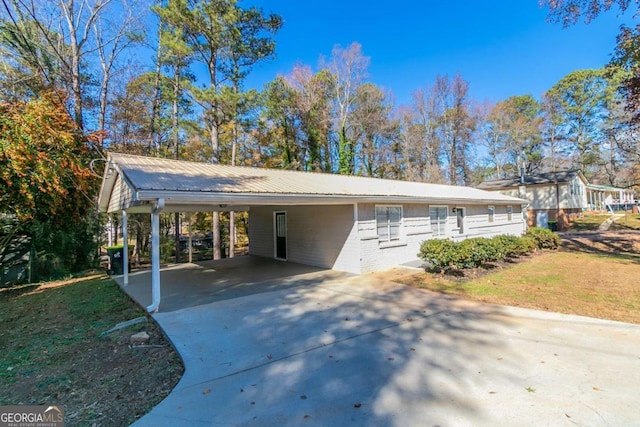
(40, 321)
(594, 285)
(629, 221)
(53, 353)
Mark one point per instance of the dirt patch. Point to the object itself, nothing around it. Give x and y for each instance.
(54, 353)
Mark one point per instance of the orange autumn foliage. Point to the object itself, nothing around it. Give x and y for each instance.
(43, 162)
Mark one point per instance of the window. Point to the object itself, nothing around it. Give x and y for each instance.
(491, 210)
(388, 220)
(438, 216)
(509, 213)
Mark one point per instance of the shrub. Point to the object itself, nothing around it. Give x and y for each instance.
(512, 247)
(446, 255)
(544, 238)
(476, 251)
(438, 253)
(528, 244)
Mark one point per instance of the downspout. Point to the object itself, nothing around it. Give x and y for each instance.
(155, 256)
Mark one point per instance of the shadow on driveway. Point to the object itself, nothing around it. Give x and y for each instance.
(322, 348)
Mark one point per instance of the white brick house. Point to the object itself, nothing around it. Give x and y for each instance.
(347, 223)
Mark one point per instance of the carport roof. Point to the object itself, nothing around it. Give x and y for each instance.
(134, 183)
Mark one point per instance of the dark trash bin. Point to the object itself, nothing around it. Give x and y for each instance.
(116, 260)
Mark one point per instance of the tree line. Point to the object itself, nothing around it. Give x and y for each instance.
(168, 79)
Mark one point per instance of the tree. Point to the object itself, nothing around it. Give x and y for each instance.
(227, 40)
(112, 39)
(45, 183)
(282, 113)
(130, 118)
(375, 131)
(456, 125)
(313, 94)
(627, 52)
(582, 98)
(348, 67)
(60, 39)
(29, 67)
(569, 12)
(513, 129)
(247, 46)
(422, 146)
(552, 132)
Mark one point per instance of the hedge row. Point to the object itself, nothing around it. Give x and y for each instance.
(447, 255)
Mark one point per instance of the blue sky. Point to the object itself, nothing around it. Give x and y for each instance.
(501, 48)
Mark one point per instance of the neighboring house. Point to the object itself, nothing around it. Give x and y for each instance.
(347, 223)
(555, 196)
(605, 197)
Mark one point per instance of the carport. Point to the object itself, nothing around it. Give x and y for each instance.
(136, 184)
(195, 284)
(335, 220)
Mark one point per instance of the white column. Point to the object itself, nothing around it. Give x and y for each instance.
(190, 239)
(155, 256)
(125, 249)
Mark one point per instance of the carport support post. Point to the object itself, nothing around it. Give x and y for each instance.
(125, 248)
(155, 256)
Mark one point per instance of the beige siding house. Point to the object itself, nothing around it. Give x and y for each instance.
(558, 196)
(347, 223)
(552, 196)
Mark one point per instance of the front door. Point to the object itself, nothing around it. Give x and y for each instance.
(460, 220)
(281, 235)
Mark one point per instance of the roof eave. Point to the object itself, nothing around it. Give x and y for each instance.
(188, 197)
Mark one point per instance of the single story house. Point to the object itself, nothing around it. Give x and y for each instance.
(556, 196)
(348, 223)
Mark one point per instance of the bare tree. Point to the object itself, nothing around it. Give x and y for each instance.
(348, 67)
(113, 36)
(73, 31)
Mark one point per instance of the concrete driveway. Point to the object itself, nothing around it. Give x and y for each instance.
(321, 348)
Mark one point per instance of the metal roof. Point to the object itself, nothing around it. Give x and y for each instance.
(199, 184)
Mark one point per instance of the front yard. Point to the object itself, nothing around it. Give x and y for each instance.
(53, 352)
(592, 275)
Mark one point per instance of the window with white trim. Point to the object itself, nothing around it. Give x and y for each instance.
(388, 222)
(491, 210)
(509, 213)
(438, 217)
